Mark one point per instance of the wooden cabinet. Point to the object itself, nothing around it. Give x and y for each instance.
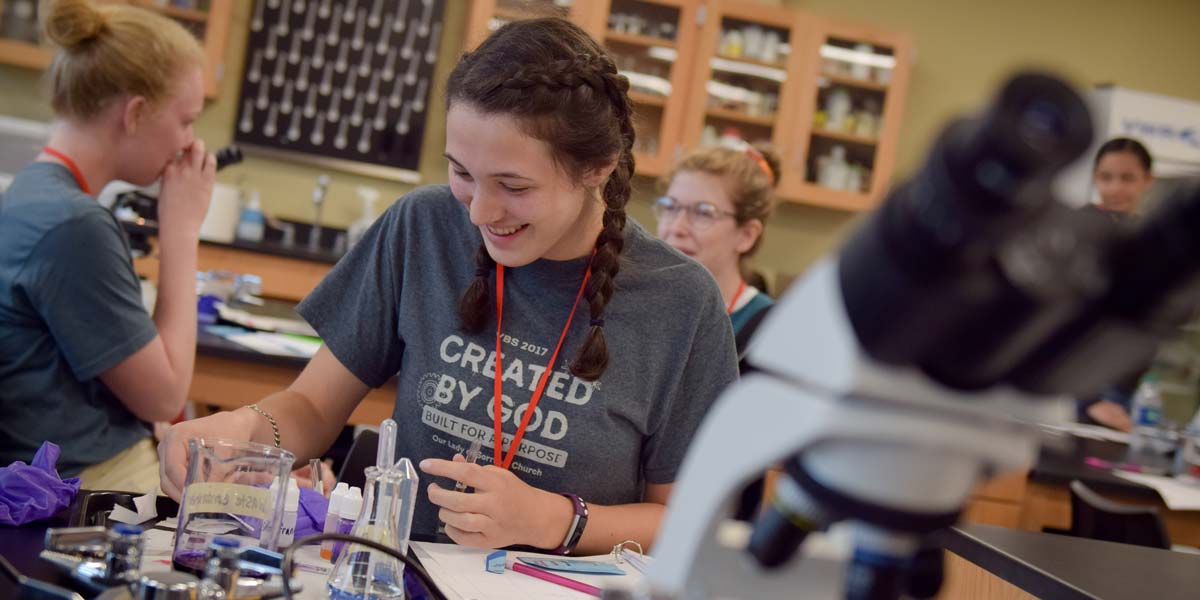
(20, 42)
(654, 44)
(485, 16)
(846, 122)
(827, 94)
(747, 70)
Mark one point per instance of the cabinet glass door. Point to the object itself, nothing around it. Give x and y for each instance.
(746, 71)
(848, 115)
(652, 44)
(19, 21)
(852, 88)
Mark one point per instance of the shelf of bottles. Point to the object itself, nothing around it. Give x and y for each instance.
(642, 37)
(20, 40)
(746, 76)
(852, 85)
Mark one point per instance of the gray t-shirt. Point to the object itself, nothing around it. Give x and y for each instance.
(70, 309)
(389, 307)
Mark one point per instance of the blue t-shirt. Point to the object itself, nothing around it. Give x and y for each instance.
(70, 309)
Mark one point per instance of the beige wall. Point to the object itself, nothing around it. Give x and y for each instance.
(963, 49)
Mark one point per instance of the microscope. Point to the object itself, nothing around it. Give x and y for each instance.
(899, 373)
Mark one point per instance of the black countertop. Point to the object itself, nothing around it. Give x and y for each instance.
(1062, 462)
(270, 245)
(1070, 568)
(210, 344)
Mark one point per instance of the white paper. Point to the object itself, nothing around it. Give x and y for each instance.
(146, 510)
(1176, 494)
(275, 343)
(460, 573)
(1091, 432)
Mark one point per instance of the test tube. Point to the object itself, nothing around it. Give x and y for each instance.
(387, 444)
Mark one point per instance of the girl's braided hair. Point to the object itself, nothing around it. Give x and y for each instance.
(564, 90)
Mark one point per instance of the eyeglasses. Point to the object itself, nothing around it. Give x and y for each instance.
(703, 214)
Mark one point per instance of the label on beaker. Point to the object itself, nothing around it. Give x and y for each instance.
(247, 500)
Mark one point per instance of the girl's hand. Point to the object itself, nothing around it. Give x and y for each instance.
(503, 510)
(187, 185)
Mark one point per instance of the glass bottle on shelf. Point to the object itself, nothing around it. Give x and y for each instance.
(19, 20)
(848, 118)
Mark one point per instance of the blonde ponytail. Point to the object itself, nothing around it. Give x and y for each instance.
(112, 51)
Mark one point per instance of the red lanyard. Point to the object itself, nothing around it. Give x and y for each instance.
(541, 386)
(70, 165)
(738, 294)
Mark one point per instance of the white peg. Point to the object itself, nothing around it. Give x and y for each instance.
(246, 125)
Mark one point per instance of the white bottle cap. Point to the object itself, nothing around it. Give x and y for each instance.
(352, 504)
(339, 493)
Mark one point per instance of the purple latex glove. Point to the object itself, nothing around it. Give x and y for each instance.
(310, 519)
(34, 491)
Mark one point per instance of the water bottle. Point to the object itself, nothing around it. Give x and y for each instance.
(251, 226)
(1146, 439)
(1147, 403)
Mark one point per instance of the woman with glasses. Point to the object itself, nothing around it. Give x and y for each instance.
(716, 205)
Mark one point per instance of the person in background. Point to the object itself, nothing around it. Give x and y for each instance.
(82, 364)
(716, 206)
(517, 307)
(1121, 175)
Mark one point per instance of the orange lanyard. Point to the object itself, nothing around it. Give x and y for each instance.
(70, 165)
(541, 386)
(738, 294)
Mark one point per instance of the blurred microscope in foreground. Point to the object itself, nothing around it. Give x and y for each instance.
(900, 372)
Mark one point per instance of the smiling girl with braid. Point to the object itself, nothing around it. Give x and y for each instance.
(520, 285)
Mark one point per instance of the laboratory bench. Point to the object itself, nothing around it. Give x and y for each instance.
(1043, 565)
(288, 271)
(228, 375)
(1026, 564)
(1028, 502)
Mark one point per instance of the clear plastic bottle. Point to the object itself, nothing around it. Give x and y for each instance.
(1147, 402)
(336, 498)
(386, 518)
(252, 224)
(347, 515)
(291, 509)
(1146, 440)
(834, 173)
(369, 197)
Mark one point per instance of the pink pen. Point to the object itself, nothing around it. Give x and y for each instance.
(578, 586)
(1100, 463)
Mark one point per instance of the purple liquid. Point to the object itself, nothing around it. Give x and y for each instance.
(190, 562)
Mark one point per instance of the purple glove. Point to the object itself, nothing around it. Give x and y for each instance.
(310, 519)
(34, 491)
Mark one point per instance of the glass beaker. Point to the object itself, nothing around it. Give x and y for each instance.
(386, 518)
(227, 493)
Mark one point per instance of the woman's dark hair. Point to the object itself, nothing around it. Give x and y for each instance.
(1124, 144)
(563, 89)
